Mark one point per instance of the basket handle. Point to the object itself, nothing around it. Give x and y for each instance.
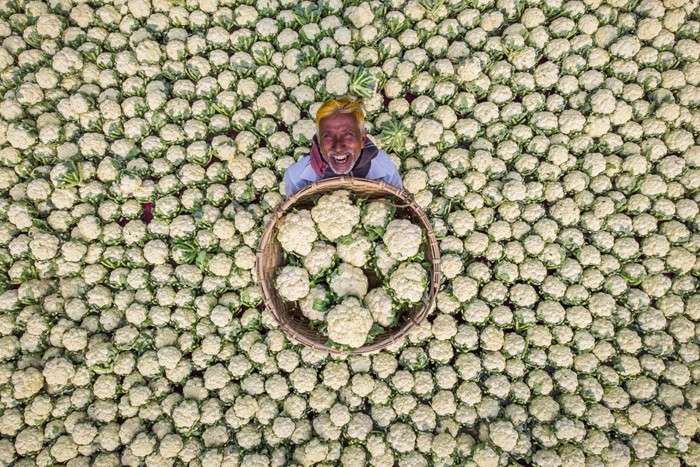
(399, 205)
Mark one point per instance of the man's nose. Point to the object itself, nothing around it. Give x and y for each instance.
(336, 144)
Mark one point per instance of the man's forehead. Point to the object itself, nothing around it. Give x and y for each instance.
(338, 121)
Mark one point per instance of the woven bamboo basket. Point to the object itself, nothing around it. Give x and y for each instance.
(270, 256)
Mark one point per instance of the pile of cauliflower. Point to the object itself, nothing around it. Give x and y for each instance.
(351, 266)
(554, 145)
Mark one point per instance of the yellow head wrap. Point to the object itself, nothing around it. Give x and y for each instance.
(343, 104)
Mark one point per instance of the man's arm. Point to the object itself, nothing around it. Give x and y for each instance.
(384, 169)
(393, 178)
(293, 180)
(290, 187)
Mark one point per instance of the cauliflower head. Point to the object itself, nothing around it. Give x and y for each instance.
(409, 281)
(335, 214)
(402, 239)
(383, 261)
(349, 323)
(376, 215)
(292, 283)
(379, 304)
(316, 303)
(297, 232)
(320, 258)
(354, 249)
(348, 280)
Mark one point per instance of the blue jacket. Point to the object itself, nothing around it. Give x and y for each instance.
(301, 174)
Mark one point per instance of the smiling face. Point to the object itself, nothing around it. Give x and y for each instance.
(340, 141)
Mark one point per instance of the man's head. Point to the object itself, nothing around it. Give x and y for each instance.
(341, 133)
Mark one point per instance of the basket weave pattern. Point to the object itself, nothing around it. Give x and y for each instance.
(270, 256)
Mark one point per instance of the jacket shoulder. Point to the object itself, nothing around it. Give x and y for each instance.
(301, 164)
(296, 169)
(383, 163)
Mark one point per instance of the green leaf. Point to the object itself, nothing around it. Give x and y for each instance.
(374, 233)
(112, 263)
(292, 260)
(72, 177)
(393, 135)
(202, 260)
(321, 305)
(307, 14)
(319, 326)
(374, 332)
(345, 239)
(362, 83)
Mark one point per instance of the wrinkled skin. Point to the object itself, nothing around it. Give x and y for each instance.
(340, 139)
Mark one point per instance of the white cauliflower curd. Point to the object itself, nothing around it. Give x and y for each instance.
(321, 258)
(408, 282)
(376, 215)
(348, 280)
(297, 232)
(315, 304)
(402, 239)
(380, 305)
(337, 82)
(335, 214)
(349, 323)
(383, 260)
(292, 283)
(354, 249)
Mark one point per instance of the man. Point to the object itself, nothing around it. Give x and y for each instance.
(341, 147)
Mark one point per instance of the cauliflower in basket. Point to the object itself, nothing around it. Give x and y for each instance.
(335, 214)
(349, 323)
(376, 215)
(383, 261)
(292, 283)
(315, 304)
(402, 238)
(320, 258)
(381, 307)
(357, 240)
(348, 280)
(297, 232)
(408, 282)
(354, 249)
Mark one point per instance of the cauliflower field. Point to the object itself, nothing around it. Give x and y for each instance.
(352, 266)
(554, 145)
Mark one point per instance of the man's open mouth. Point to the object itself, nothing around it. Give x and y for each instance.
(341, 158)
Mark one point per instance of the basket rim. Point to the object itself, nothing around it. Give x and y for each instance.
(352, 184)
